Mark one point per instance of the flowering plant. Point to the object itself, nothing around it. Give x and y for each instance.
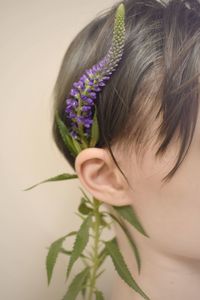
(81, 132)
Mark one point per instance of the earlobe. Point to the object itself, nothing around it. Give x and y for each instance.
(100, 177)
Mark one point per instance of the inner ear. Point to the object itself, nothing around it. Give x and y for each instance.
(94, 167)
(99, 175)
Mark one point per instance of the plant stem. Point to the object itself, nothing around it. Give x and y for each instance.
(95, 259)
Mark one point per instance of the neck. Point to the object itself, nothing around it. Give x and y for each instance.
(162, 276)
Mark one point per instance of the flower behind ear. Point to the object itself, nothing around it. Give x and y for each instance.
(80, 106)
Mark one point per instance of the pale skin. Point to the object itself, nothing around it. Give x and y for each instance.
(169, 213)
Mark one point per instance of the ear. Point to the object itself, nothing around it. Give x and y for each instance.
(101, 177)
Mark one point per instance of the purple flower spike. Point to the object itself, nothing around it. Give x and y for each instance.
(79, 107)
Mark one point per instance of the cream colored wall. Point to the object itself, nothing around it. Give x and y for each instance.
(34, 38)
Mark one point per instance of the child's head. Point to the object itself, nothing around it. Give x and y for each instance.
(148, 118)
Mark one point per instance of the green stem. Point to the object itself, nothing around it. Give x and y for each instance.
(95, 259)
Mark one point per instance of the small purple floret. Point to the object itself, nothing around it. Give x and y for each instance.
(86, 108)
(89, 101)
(74, 92)
(93, 95)
(79, 85)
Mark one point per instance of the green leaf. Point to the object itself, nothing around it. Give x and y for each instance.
(94, 130)
(60, 177)
(80, 242)
(130, 238)
(121, 267)
(53, 254)
(99, 295)
(83, 208)
(66, 137)
(83, 289)
(102, 256)
(76, 285)
(128, 213)
(77, 146)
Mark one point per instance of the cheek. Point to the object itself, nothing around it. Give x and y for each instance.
(170, 213)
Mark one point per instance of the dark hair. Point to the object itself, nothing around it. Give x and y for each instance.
(157, 77)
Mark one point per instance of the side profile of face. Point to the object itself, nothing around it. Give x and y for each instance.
(170, 212)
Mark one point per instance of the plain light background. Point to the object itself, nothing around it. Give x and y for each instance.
(34, 38)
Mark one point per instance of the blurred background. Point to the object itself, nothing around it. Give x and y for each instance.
(34, 38)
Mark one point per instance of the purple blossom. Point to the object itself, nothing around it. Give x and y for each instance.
(79, 85)
(93, 95)
(86, 108)
(72, 115)
(79, 107)
(90, 73)
(74, 93)
(74, 134)
(89, 101)
(97, 88)
(72, 103)
(87, 122)
(102, 83)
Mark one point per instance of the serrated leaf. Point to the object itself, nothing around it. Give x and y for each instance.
(81, 241)
(94, 130)
(128, 213)
(66, 137)
(99, 295)
(121, 267)
(130, 238)
(53, 254)
(76, 285)
(83, 208)
(60, 177)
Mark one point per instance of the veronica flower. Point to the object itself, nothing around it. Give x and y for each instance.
(80, 106)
